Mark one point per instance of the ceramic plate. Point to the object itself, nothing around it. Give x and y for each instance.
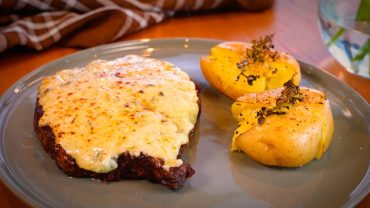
(222, 179)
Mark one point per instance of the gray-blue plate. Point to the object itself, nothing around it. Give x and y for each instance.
(222, 179)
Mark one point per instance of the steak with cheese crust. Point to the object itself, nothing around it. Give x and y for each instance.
(110, 120)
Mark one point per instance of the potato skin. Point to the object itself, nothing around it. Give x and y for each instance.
(221, 71)
(291, 140)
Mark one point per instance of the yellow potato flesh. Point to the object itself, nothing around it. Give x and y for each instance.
(221, 71)
(289, 140)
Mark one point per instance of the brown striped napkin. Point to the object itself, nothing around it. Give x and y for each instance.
(39, 24)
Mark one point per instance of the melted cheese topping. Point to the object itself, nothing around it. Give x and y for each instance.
(131, 104)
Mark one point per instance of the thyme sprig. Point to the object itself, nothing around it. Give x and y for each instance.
(260, 51)
(289, 96)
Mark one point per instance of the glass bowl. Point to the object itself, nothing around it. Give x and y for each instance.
(345, 29)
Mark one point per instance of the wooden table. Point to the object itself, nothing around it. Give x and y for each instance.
(294, 23)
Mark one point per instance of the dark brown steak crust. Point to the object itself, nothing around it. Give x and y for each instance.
(129, 167)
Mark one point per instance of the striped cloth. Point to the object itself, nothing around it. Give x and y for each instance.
(39, 24)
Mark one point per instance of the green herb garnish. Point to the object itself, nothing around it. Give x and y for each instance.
(289, 96)
(260, 51)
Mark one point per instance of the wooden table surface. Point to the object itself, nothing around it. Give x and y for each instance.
(294, 23)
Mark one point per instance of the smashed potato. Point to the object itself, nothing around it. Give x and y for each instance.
(286, 127)
(237, 68)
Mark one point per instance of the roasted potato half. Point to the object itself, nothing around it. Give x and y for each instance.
(238, 68)
(279, 131)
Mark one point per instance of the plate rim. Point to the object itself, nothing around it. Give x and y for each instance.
(26, 198)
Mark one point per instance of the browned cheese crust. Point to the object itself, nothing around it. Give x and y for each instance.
(129, 167)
